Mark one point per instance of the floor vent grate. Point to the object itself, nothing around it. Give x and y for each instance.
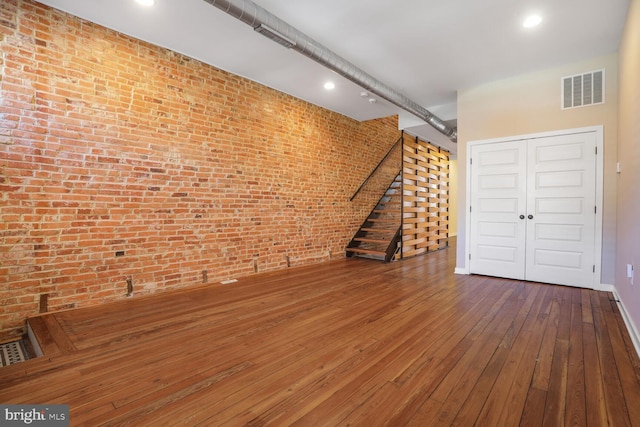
(13, 352)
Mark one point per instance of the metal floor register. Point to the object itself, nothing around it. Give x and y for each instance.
(12, 352)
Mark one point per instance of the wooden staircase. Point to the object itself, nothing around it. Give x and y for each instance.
(380, 233)
(412, 218)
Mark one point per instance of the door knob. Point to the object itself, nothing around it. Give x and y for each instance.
(521, 216)
(530, 217)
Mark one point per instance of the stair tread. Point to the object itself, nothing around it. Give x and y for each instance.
(378, 230)
(367, 240)
(366, 251)
(392, 220)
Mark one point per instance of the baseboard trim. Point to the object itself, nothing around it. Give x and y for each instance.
(459, 270)
(631, 328)
(605, 288)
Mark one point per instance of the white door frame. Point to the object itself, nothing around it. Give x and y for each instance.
(599, 131)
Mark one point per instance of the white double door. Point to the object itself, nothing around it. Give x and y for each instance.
(533, 209)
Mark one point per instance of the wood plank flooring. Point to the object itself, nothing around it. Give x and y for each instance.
(348, 342)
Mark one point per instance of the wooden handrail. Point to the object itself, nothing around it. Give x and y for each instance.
(376, 168)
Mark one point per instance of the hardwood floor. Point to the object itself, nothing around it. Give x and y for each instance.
(348, 342)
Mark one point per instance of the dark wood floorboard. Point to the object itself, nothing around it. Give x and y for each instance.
(348, 342)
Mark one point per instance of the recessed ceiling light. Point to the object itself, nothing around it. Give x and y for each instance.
(532, 21)
(146, 2)
(329, 86)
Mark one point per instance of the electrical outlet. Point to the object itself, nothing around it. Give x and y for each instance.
(630, 272)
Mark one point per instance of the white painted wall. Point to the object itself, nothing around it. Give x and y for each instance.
(628, 219)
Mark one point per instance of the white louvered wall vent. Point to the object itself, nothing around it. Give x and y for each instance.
(582, 90)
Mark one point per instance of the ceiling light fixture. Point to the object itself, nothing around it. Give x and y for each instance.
(532, 21)
(329, 86)
(146, 2)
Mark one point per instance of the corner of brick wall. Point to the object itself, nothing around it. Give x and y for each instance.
(120, 160)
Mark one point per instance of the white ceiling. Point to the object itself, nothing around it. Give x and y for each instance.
(426, 49)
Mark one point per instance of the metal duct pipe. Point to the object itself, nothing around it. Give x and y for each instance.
(275, 28)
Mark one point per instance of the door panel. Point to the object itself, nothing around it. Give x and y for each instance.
(498, 199)
(559, 206)
(561, 198)
(571, 233)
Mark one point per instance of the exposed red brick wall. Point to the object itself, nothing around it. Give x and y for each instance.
(110, 144)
